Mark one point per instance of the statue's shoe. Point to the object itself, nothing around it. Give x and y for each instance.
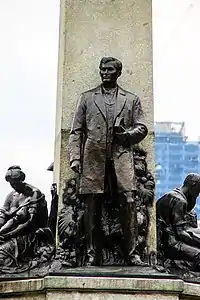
(90, 260)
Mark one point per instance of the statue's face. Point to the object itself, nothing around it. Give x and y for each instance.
(16, 185)
(108, 73)
(195, 190)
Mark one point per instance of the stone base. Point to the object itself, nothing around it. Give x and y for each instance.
(98, 288)
(110, 271)
(56, 268)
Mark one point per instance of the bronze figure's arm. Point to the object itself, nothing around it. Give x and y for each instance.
(179, 213)
(16, 225)
(139, 130)
(20, 229)
(5, 210)
(76, 135)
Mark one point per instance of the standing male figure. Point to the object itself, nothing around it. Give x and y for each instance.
(108, 120)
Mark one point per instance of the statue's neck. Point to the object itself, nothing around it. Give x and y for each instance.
(109, 85)
(191, 200)
(25, 189)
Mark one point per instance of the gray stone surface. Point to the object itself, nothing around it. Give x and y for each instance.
(82, 288)
(111, 296)
(98, 288)
(191, 291)
(27, 296)
(110, 284)
(92, 29)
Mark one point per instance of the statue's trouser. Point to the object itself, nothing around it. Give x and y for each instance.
(92, 227)
(128, 220)
(127, 216)
(184, 252)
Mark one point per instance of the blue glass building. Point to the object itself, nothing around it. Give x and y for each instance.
(175, 157)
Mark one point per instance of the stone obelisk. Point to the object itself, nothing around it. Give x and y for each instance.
(89, 30)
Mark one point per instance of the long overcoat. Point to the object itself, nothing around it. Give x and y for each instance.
(87, 141)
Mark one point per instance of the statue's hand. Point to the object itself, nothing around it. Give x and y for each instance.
(76, 166)
(122, 138)
(53, 189)
(4, 212)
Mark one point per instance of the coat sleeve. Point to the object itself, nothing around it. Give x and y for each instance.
(77, 131)
(139, 130)
(179, 210)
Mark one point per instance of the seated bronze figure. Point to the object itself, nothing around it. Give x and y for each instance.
(23, 226)
(178, 233)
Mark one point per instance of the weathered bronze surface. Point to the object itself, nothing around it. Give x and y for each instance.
(105, 215)
(25, 239)
(73, 247)
(178, 233)
(108, 121)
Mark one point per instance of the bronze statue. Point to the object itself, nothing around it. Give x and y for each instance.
(178, 235)
(23, 224)
(72, 248)
(108, 121)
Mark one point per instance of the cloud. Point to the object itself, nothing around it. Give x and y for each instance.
(28, 62)
(176, 64)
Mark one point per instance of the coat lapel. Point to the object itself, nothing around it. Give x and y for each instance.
(99, 101)
(120, 102)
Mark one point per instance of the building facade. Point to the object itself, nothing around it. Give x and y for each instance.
(175, 157)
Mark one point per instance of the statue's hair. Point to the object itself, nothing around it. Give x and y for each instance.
(191, 179)
(15, 173)
(117, 63)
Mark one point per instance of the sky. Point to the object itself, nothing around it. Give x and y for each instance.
(176, 62)
(28, 64)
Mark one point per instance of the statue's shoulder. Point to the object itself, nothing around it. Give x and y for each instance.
(10, 196)
(91, 91)
(41, 201)
(177, 197)
(172, 196)
(33, 189)
(129, 94)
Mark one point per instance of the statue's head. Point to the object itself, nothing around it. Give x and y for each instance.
(192, 185)
(15, 176)
(110, 69)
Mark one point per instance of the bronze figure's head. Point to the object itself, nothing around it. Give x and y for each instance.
(110, 70)
(191, 188)
(15, 176)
